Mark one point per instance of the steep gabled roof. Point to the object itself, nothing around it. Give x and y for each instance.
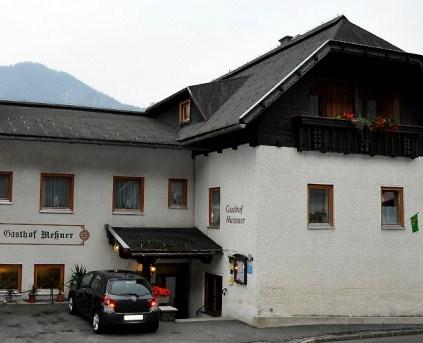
(263, 75)
(351, 33)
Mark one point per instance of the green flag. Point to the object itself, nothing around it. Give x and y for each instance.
(415, 223)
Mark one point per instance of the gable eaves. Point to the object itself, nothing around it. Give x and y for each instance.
(279, 88)
(165, 100)
(297, 39)
(311, 60)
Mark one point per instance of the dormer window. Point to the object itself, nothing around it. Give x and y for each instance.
(184, 112)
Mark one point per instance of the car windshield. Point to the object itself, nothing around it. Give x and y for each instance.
(137, 287)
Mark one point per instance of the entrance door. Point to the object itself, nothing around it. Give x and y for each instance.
(175, 276)
(213, 294)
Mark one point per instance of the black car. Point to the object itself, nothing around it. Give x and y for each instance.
(115, 297)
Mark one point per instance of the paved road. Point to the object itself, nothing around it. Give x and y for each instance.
(51, 323)
(401, 339)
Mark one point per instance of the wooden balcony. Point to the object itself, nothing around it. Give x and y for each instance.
(342, 136)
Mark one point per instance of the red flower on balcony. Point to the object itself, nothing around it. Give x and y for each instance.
(160, 291)
(348, 116)
(384, 124)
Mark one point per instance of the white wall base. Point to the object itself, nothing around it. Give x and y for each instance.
(264, 322)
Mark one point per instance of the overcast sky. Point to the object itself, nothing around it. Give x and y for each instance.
(142, 51)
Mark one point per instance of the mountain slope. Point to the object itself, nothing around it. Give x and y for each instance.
(35, 82)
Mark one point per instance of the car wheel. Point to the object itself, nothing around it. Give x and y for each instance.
(71, 305)
(97, 323)
(153, 327)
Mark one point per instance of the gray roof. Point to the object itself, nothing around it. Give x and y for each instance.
(252, 82)
(145, 241)
(58, 122)
(230, 101)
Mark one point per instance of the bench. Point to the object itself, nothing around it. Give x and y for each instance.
(7, 296)
(168, 313)
(45, 294)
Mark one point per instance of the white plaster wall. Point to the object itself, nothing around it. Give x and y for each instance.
(94, 167)
(234, 171)
(357, 269)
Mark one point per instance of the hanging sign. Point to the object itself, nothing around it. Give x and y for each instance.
(43, 234)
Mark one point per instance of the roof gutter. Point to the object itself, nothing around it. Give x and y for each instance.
(212, 134)
(283, 80)
(95, 142)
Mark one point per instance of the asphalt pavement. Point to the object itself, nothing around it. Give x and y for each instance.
(400, 339)
(51, 323)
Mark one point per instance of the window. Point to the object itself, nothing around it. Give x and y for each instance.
(214, 207)
(128, 194)
(392, 206)
(49, 276)
(56, 192)
(320, 205)
(135, 286)
(6, 187)
(332, 99)
(177, 197)
(97, 283)
(10, 276)
(86, 279)
(184, 112)
(377, 100)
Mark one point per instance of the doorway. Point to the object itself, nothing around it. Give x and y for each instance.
(175, 277)
(213, 294)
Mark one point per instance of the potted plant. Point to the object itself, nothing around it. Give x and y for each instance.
(78, 273)
(167, 313)
(32, 294)
(60, 297)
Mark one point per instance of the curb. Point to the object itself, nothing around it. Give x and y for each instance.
(360, 335)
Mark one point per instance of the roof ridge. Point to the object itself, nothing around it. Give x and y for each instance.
(70, 107)
(219, 80)
(372, 35)
(338, 29)
(297, 39)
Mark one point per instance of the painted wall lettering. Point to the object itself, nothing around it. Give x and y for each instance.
(42, 234)
(234, 214)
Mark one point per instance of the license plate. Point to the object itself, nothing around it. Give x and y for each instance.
(133, 317)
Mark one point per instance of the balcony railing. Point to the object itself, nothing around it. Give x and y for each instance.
(334, 135)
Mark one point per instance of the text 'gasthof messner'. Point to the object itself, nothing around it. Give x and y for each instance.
(235, 215)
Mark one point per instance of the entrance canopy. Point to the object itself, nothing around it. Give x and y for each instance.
(139, 242)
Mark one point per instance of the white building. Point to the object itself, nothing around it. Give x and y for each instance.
(278, 194)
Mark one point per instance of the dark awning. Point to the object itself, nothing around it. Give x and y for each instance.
(138, 242)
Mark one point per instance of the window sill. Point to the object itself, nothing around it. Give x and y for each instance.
(214, 227)
(393, 227)
(57, 210)
(320, 227)
(129, 212)
(178, 207)
(6, 202)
